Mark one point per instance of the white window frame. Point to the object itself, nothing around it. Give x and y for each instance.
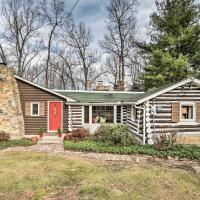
(189, 103)
(91, 113)
(35, 115)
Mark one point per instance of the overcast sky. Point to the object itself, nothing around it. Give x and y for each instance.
(93, 13)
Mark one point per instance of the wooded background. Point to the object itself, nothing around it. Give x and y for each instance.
(43, 44)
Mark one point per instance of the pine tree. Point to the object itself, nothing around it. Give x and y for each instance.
(174, 47)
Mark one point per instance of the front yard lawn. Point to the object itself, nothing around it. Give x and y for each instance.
(179, 151)
(14, 143)
(30, 175)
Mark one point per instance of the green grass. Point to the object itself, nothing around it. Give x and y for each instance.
(180, 151)
(38, 176)
(13, 143)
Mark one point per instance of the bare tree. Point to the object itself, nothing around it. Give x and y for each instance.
(20, 18)
(119, 38)
(135, 68)
(68, 68)
(79, 40)
(54, 13)
(111, 66)
(65, 66)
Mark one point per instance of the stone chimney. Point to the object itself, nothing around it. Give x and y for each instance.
(11, 117)
(119, 86)
(101, 87)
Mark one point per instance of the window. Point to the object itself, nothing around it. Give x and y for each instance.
(102, 114)
(86, 114)
(187, 112)
(34, 109)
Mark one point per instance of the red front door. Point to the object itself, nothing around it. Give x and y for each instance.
(55, 116)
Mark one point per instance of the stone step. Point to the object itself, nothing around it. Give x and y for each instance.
(50, 140)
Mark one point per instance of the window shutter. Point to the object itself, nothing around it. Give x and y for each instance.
(27, 108)
(42, 108)
(175, 112)
(198, 112)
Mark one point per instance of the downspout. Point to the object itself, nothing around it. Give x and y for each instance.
(144, 120)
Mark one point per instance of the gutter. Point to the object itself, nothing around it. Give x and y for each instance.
(99, 103)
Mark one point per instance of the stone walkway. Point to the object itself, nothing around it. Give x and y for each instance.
(140, 159)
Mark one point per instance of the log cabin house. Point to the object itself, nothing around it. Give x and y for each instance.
(174, 108)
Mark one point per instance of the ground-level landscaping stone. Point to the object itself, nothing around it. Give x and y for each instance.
(139, 159)
(196, 169)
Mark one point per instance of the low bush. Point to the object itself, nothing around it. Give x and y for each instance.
(190, 151)
(41, 132)
(21, 142)
(115, 134)
(4, 136)
(77, 134)
(164, 141)
(34, 139)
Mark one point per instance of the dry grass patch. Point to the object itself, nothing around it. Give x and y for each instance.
(43, 176)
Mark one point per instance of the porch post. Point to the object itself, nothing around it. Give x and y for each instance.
(90, 114)
(131, 112)
(122, 114)
(83, 115)
(69, 119)
(115, 114)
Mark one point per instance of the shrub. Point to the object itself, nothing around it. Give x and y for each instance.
(68, 136)
(165, 141)
(4, 136)
(59, 132)
(20, 142)
(178, 151)
(34, 139)
(77, 134)
(41, 131)
(115, 134)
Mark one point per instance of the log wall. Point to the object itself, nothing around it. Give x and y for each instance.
(163, 120)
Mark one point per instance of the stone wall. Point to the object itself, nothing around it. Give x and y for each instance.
(11, 117)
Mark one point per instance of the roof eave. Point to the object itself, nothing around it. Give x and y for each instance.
(167, 89)
(45, 89)
(100, 103)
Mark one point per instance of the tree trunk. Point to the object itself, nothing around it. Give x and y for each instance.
(48, 57)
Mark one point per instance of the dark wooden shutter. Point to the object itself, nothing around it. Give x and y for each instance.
(27, 108)
(42, 108)
(198, 111)
(175, 111)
